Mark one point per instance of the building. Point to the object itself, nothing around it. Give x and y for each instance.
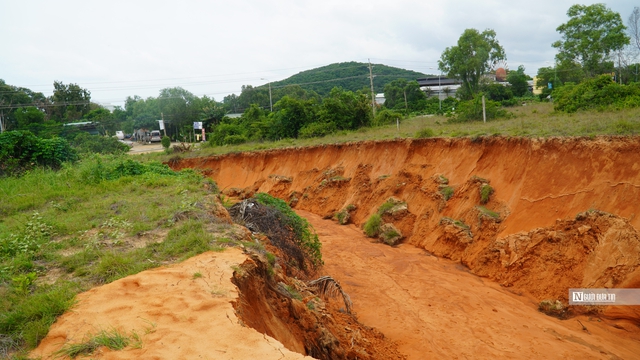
(441, 87)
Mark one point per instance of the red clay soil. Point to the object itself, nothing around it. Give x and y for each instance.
(434, 308)
(562, 212)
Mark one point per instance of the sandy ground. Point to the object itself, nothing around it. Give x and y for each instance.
(176, 315)
(434, 308)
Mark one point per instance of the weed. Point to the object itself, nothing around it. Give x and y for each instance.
(484, 211)
(552, 308)
(196, 275)
(372, 226)
(485, 193)
(425, 133)
(113, 340)
(294, 294)
(447, 192)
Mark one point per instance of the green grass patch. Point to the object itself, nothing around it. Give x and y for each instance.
(484, 211)
(447, 192)
(83, 219)
(111, 339)
(372, 226)
(485, 193)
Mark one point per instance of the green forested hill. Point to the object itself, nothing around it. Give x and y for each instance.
(351, 76)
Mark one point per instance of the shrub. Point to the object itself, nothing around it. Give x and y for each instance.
(552, 308)
(166, 142)
(316, 129)
(307, 238)
(447, 192)
(485, 193)
(471, 110)
(234, 139)
(596, 93)
(21, 151)
(425, 133)
(386, 117)
(86, 144)
(372, 226)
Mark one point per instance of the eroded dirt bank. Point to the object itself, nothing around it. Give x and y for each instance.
(561, 212)
(434, 308)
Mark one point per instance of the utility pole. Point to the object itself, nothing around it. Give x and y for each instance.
(373, 95)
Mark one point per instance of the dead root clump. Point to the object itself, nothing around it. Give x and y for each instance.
(266, 220)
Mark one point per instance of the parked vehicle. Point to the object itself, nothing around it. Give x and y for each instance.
(155, 136)
(120, 135)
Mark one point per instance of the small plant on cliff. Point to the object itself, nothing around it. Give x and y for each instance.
(447, 192)
(483, 211)
(553, 308)
(372, 226)
(485, 193)
(306, 236)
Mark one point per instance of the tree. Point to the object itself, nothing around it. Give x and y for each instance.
(104, 120)
(346, 109)
(592, 33)
(518, 80)
(177, 106)
(70, 102)
(475, 55)
(401, 94)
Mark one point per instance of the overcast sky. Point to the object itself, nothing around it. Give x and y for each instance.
(119, 48)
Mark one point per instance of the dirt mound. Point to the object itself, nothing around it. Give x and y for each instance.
(175, 315)
(485, 202)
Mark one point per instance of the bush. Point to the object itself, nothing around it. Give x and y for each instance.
(372, 226)
(86, 144)
(307, 238)
(234, 139)
(471, 110)
(485, 192)
(21, 151)
(227, 134)
(386, 117)
(425, 133)
(166, 142)
(596, 93)
(447, 192)
(316, 129)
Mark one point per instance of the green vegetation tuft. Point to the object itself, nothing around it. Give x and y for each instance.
(447, 192)
(112, 339)
(484, 211)
(301, 227)
(425, 133)
(372, 226)
(485, 193)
